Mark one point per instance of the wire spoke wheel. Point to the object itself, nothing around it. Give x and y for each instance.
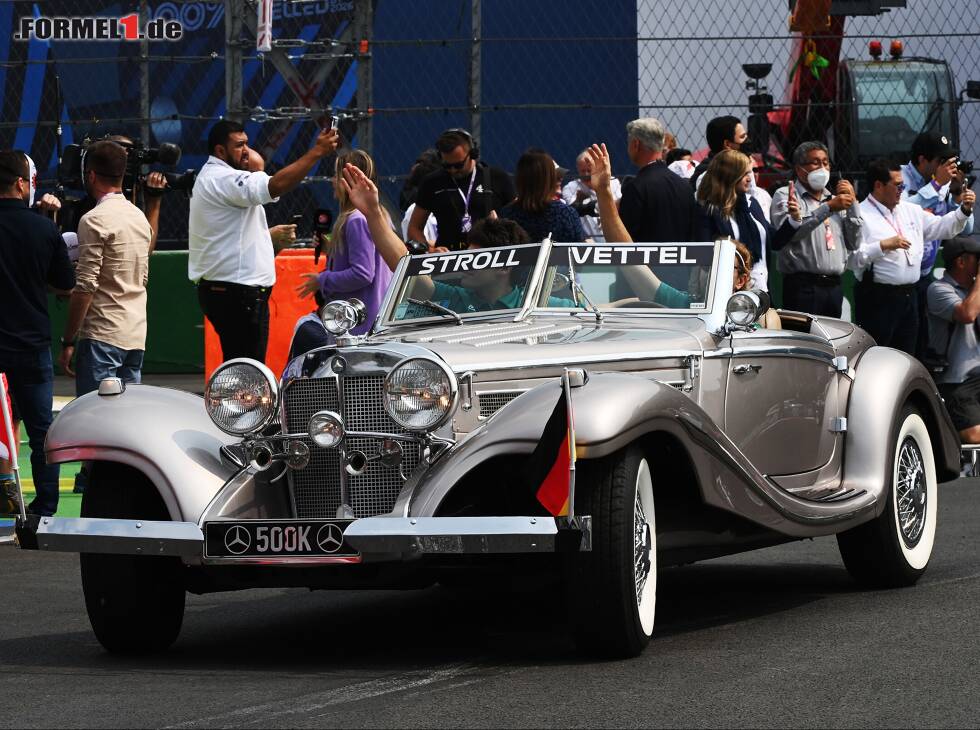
(910, 493)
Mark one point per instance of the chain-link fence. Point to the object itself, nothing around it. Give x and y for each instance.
(557, 75)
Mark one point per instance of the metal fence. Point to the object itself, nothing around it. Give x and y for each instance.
(550, 74)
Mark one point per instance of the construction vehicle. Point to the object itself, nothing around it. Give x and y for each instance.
(862, 108)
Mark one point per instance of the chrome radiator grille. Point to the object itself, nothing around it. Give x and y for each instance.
(316, 489)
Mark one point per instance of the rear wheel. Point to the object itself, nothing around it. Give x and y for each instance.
(893, 550)
(135, 603)
(612, 590)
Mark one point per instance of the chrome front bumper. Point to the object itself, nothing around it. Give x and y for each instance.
(405, 536)
(122, 537)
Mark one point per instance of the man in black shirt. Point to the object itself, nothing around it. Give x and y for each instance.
(463, 192)
(657, 205)
(33, 256)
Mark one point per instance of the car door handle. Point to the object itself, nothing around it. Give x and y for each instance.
(743, 369)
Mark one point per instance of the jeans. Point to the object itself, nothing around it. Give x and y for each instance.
(240, 316)
(94, 361)
(30, 376)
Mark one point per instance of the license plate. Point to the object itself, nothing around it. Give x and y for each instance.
(277, 538)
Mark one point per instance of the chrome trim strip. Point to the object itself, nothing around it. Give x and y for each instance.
(580, 360)
(345, 504)
(417, 437)
(453, 535)
(764, 334)
(120, 537)
(295, 561)
(721, 352)
(800, 352)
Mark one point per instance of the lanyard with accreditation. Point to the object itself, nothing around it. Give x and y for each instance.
(894, 224)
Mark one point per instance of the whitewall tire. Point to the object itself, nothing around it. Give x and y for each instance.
(894, 549)
(612, 589)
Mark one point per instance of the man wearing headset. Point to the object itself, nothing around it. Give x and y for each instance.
(463, 192)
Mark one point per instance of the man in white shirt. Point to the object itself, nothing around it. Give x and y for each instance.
(580, 194)
(888, 261)
(231, 252)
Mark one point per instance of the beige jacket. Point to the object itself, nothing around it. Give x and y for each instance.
(113, 265)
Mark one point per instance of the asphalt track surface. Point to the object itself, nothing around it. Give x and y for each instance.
(778, 637)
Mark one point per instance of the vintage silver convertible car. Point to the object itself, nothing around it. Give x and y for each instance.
(403, 458)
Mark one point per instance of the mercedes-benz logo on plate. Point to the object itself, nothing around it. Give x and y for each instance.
(330, 538)
(237, 540)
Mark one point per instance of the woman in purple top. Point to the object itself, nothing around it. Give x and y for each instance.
(354, 266)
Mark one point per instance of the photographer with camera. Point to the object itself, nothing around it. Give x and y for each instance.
(953, 354)
(927, 179)
(231, 250)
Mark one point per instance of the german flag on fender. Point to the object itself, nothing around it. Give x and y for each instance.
(550, 466)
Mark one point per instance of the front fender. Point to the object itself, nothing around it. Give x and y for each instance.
(614, 410)
(885, 379)
(165, 434)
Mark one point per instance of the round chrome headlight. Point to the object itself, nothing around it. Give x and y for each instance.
(342, 315)
(743, 308)
(241, 396)
(419, 394)
(326, 428)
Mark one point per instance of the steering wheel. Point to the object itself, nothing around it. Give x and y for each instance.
(642, 303)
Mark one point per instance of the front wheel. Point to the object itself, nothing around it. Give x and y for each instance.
(612, 590)
(893, 550)
(135, 603)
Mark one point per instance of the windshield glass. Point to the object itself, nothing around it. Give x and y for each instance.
(465, 283)
(674, 276)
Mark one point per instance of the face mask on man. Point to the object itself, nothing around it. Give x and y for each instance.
(818, 179)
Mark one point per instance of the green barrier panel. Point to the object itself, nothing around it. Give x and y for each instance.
(175, 324)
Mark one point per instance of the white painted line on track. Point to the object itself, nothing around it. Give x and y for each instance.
(261, 714)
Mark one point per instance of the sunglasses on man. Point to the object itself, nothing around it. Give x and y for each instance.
(456, 165)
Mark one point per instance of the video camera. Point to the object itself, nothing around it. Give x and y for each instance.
(73, 159)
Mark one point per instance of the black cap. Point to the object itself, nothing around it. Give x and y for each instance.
(932, 145)
(953, 247)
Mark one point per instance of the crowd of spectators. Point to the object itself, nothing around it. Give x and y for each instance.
(811, 229)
